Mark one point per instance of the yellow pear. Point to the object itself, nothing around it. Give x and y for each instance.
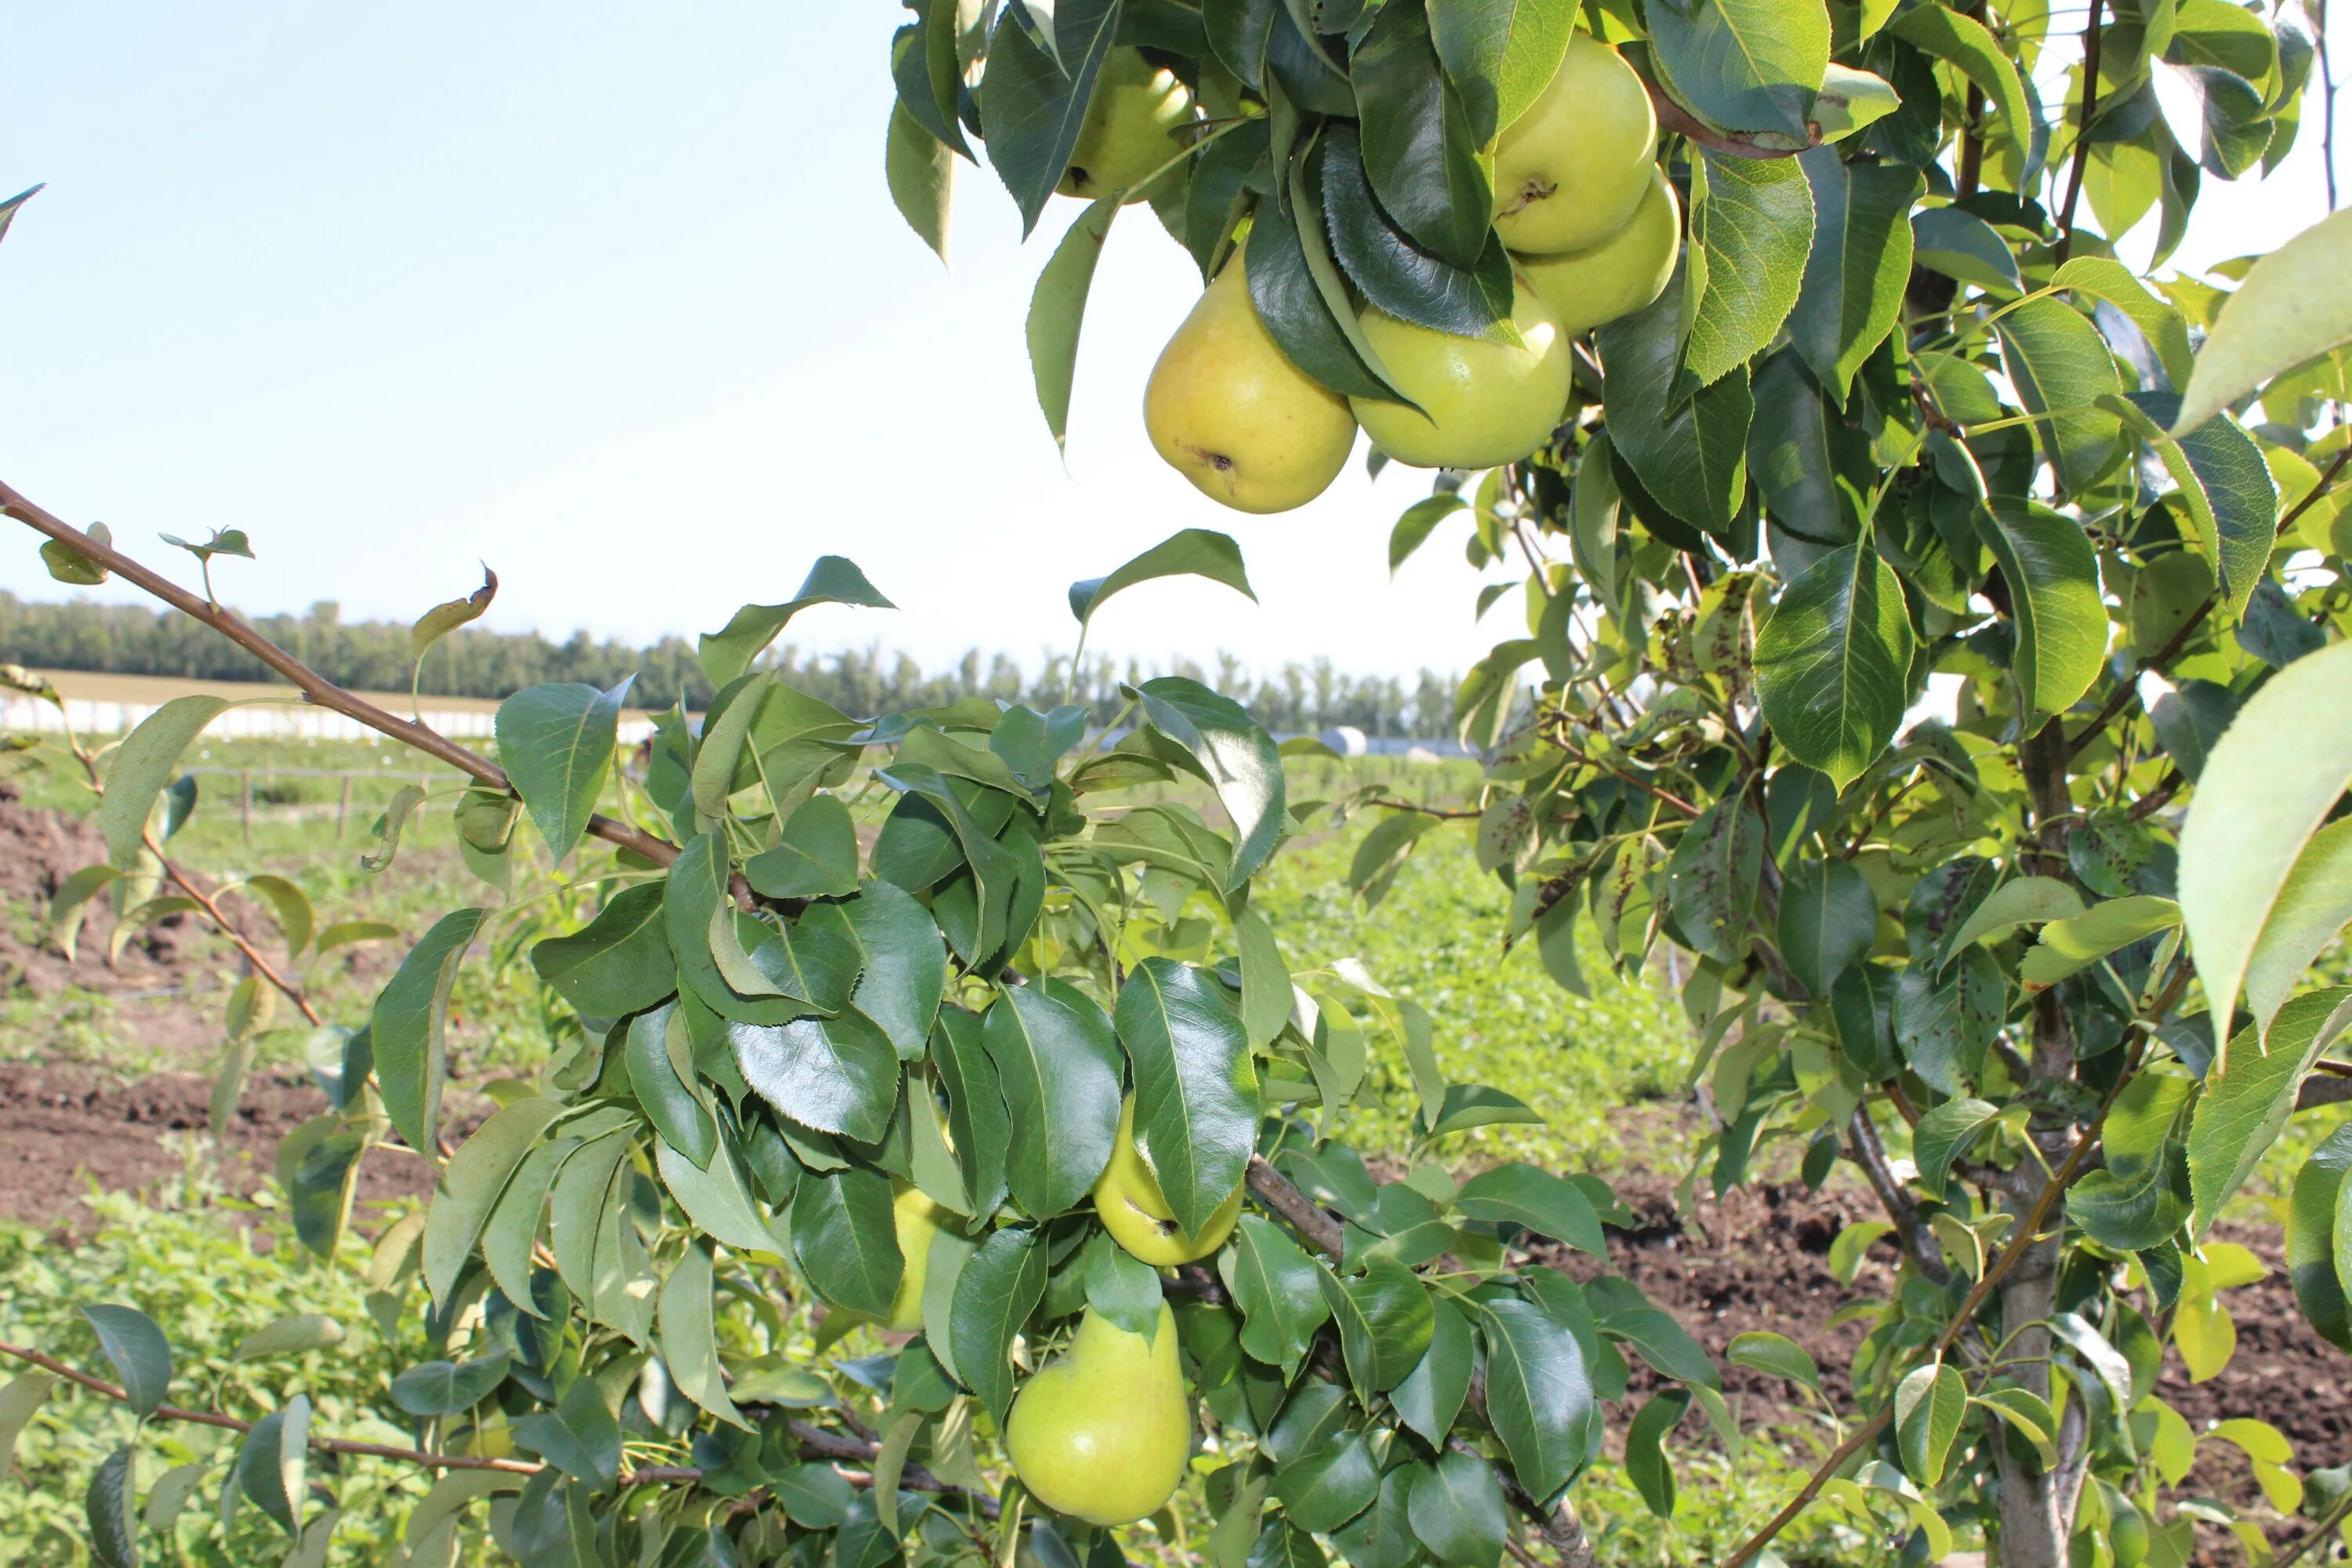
(1618, 275)
(1129, 127)
(1485, 402)
(1133, 1209)
(1232, 415)
(918, 1220)
(1102, 1433)
(1571, 170)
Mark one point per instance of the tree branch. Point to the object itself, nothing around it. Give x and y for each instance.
(315, 688)
(2091, 34)
(1918, 1240)
(211, 906)
(1674, 117)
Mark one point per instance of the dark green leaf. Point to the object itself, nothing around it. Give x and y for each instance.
(1538, 1393)
(579, 1437)
(1194, 552)
(2313, 1262)
(1233, 752)
(1121, 1286)
(141, 1357)
(556, 745)
(1958, 244)
(470, 1185)
(1293, 307)
(1755, 227)
(2061, 368)
(846, 1238)
(1747, 64)
(816, 857)
(2053, 591)
(1691, 453)
(1945, 1021)
(1062, 1091)
(1805, 457)
(1859, 266)
(1456, 1510)
(1538, 1200)
(1396, 274)
(836, 1075)
(1431, 1394)
(443, 1387)
(1057, 309)
(976, 1115)
(833, 580)
(1196, 1093)
(406, 1026)
(1831, 665)
(1035, 109)
(1274, 1285)
(1929, 1406)
(616, 965)
(1712, 879)
(2232, 499)
(1000, 1285)
(112, 1506)
(1828, 919)
(1386, 1321)
(1419, 150)
(2252, 1091)
(902, 961)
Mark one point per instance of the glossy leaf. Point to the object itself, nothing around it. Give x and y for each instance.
(814, 857)
(1230, 751)
(1745, 65)
(1000, 1285)
(406, 1027)
(1828, 919)
(1831, 663)
(1456, 1510)
(1929, 1405)
(2061, 368)
(1755, 227)
(1062, 1091)
(556, 745)
(2053, 591)
(1539, 1392)
(2251, 1091)
(618, 963)
(1859, 264)
(1537, 1200)
(1420, 150)
(1196, 1094)
(2231, 501)
(1690, 454)
(1385, 1319)
(1034, 108)
(2314, 1261)
(846, 1238)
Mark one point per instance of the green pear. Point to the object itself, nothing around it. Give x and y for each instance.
(1570, 171)
(1131, 1206)
(1232, 415)
(1129, 127)
(1487, 402)
(1621, 274)
(1102, 1433)
(917, 1219)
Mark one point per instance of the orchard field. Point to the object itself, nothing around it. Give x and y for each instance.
(139, 1150)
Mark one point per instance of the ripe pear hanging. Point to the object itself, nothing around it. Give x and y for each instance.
(1103, 1432)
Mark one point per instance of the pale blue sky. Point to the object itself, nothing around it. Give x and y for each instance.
(613, 297)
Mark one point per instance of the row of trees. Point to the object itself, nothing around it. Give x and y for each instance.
(123, 639)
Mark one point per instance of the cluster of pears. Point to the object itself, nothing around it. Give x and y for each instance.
(1103, 1432)
(1592, 227)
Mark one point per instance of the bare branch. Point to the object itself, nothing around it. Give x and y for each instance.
(1674, 117)
(1862, 1144)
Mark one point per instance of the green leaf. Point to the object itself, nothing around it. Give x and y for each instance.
(815, 857)
(689, 1342)
(716, 1198)
(1646, 1464)
(1414, 526)
(836, 1075)
(1456, 1510)
(1120, 1286)
(2021, 900)
(1775, 1355)
(1283, 1545)
(578, 1437)
(1746, 65)
(1944, 1020)
(1499, 54)
(1859, 264)
(833, 580)
(2030, 1416)
(434, 1388)
(617, 964)
(2290, 306)
(1326, 1474)
(140, 1356)
(1292, 285)
(110, 1506)
(662, 1076)
(1809, 465)
(1194, 553)
(1036, 108)
(2053, 580)
(1965, 42)
(513, 1227)
(1828, 919)
(1196, 1094)
(1539, 1392)
(977, 1120)
(1929, 1405)
(406, 1026)
(2159, 322)
(2075, 943)
(2061, 368)
(2215, 115)
(1431, 1395)
(1690, 454)
(271, 1463)
(2271, 780)
(442, 619)
(1469, 1105)
(921, 173)
(1266, 980)
(1944, 1134)
(1385, 1321)
(470, 1185)
(2232, 499)
(1057, 309)
(1061, 1087)
(2314, 905)
(2313, 1260)
(1419, 148)
(141, 764)
(1538, 1200)
(20, 1401)
(556, 745)
(1755, 225)
(2249, 1093)
(1000, 1285)
(1831, 663)
(1958, 244)
(846, 1238)
(1276, 1285)
(1232, 752)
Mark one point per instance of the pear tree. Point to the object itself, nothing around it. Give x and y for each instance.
(937, 1156)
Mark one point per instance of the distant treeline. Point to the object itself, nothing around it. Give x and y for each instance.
(372, 655)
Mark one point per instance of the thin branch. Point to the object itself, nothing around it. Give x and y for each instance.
(1306, 1215)
(314, 687)
(1918, 1240)
(2323, 1089)
(1674, 117)
(1438, 811)
(220, 922)
(2082, 135)
(1867, 1432)
(2302, 1544)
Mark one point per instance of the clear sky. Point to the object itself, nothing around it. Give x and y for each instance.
(612, 296)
